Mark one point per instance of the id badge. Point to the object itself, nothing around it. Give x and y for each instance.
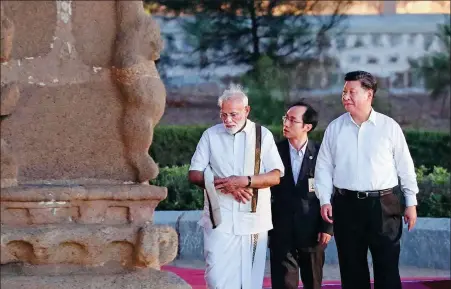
(311, 185)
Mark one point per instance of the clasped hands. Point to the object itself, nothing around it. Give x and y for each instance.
(236, 186)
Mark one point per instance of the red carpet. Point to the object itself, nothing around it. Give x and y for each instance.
(195, 277)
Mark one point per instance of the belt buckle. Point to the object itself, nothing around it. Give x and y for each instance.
(362, 195)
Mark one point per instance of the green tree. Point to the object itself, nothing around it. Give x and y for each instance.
(268, 91)
(225, 32)
(434, 68)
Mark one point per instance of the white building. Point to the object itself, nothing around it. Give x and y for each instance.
(380, 44)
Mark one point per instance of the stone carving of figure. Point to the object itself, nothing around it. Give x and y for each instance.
(7, 34)
(138, 44)
(9, 98)
(8, 169)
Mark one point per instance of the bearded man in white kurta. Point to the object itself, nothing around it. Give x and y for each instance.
(235, 249)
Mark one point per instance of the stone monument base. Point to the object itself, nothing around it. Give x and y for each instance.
(15, 276)
(85, 236)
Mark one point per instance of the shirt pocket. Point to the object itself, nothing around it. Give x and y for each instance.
(380, 152)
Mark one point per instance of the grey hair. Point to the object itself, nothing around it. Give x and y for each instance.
(234, 90)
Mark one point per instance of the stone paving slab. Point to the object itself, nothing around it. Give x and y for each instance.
(144, 279)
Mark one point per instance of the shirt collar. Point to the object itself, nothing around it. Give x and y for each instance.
(371, 118)
(247, 126)
(295, 151)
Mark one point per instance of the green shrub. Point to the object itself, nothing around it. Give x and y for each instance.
(175, 145)
(182, 195)
(434, 198)
(429, 149)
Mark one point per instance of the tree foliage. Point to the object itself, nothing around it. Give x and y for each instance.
(268, 91)
(224, 32)
(434, 68)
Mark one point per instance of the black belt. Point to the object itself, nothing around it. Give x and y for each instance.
(363, 194)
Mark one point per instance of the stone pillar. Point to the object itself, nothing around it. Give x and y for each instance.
(80, 97)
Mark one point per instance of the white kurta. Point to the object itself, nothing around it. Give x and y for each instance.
(228, 248)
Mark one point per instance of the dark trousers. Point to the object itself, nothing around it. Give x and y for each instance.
(286, 261)
(373, 223)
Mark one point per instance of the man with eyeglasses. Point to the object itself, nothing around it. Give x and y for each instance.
(362, 156)
(236, 162)
(300, 236)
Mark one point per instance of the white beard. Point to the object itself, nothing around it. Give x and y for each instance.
(236, 128)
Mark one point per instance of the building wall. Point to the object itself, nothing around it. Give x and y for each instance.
(380, 44)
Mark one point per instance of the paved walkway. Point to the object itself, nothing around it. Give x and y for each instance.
(332, 272)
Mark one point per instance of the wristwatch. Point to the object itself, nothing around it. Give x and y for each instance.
(249, 181)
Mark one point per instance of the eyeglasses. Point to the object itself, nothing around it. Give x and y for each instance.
(223, 115)
(292, 120)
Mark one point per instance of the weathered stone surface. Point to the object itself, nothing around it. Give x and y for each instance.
(138, 46)
(150, 246)
(8, 165)
(94, 28)
(45, 193)
(6, 36)
(191, 238)
(78, 119)
(427, 246)
(61, 131)
(173, 219)
(42, 16)
(143, 279)
(82, 97)
(84, 204)
(9, 98)
(191, 245)
(157, 245)
(117, 226)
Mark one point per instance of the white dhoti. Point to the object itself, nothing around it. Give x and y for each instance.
(229, 260)
(230, 226)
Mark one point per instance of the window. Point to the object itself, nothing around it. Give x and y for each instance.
(395, 39)
(383, 83)
(324, 41)
(372, 60)
(376, 40)
(333, 79)
(412, 38)
(414, 79)
(398, 80)
(354, 59)
(393, 59)
(358, 42)
(428, 38)
(314, 80)
(341, 42)
(317, 80)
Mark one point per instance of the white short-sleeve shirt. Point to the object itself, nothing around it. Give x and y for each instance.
(225, 153)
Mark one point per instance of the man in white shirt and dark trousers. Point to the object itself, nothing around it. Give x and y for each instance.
(362, 154)
(237, 176)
